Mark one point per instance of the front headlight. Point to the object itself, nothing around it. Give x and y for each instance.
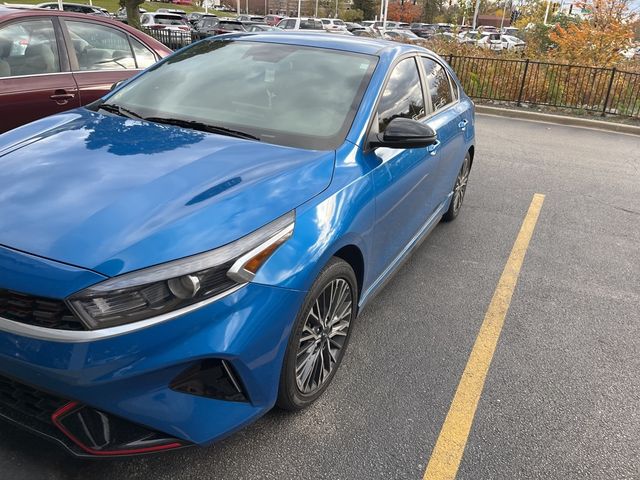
(174, 286)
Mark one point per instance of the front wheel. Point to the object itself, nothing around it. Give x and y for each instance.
(319, 337)
(459, 189)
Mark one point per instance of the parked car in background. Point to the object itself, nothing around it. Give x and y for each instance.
(470, 37)
(173, 11)
(40, 75)
(272, 19)
(260, 27)
(401, 35)
(368, 32)
(487, 29)
(631, 53)
(77, 8)
(445, 36)
(218, 26)
(172, 29)
(195, 17)
(513, 31)
(352, 26)
(390, 25)
(490, 41)
(332, 24)
(423, 30)
(195, 248)
(121, 14)
(250, 18)
(302, 23)
(511, 43)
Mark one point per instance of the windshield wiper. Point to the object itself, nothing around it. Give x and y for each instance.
(119, 110)
(203, 127)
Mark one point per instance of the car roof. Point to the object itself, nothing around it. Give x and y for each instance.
(69, 3)
(165, 14)
(355, 44)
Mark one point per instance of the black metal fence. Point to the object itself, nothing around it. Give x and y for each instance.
(175, 39)
(603, 90)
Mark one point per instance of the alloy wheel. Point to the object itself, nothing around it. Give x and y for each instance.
(461, 186)
(323, 336)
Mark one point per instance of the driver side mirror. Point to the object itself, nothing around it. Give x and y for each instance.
(405, 133)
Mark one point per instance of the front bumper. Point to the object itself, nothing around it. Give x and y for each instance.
(129, 376)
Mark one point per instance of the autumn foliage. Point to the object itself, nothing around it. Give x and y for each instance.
(597, 40)
(404, 12)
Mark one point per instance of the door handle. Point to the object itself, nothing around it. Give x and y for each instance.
(463, 125)
(432, 149)
(61, 97)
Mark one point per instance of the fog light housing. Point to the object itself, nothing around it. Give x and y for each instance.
(211, 378)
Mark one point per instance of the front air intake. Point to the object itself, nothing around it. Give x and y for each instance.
(212, 378)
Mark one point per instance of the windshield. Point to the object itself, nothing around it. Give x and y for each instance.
(290, 95)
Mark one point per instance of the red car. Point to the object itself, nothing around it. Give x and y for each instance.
(51, 61)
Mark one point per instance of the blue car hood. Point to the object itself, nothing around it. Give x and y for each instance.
(114, 195)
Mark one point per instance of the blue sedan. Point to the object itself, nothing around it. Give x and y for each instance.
(194, 248)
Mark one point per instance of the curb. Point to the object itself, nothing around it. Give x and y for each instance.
(560, 119)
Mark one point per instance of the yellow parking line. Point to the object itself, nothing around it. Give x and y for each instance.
(447, 453)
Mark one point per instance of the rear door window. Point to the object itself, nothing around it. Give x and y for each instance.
(438, 84)
(28, 48)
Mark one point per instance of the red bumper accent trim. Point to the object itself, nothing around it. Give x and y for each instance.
(57, 416)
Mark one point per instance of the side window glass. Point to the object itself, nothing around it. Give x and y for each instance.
(402, 97)
(100, 48)
(144, 57)
(28, 48)
(438, 84)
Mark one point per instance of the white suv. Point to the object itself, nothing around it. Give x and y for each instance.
(331, 24)
(300, 24)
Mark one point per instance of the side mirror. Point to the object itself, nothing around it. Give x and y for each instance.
(116, 85)
(405, 133)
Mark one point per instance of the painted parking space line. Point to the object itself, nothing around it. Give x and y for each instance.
(447, 452)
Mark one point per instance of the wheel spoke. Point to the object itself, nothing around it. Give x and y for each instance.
(323, 335)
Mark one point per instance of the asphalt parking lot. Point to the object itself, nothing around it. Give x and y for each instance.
(562, 396)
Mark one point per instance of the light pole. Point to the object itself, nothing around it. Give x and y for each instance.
(238, 5)
(384, 19)
(475, 14)
(546, 13)
(504, 12)
(299, 3)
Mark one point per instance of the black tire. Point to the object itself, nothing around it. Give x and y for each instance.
(336, 274)
(459, 190)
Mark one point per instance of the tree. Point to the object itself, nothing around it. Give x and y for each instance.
(369, 8)
(405, 11)
(353, 15)
(598, 39)
(133, 11)
(431, 10)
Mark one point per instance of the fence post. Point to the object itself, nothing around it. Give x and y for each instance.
(606, 99)
(524, 77)
(450, 58)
